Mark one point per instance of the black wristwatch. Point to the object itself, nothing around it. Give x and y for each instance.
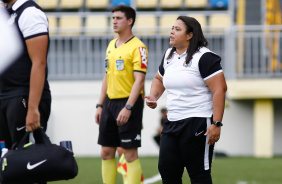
(217, 123)
(99, 105)
(128, 107)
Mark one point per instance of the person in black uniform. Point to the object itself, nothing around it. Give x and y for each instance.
(25, 98)
(195, 84)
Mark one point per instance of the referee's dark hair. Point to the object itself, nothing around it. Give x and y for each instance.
(127, 10)
(196, 42)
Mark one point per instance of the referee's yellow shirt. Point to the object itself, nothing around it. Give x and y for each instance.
(121, 63)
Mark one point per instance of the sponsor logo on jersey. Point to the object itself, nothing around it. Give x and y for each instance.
(120, 64)
(144, 59)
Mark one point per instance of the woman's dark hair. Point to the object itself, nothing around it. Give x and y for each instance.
(127, 10)
(196, 42)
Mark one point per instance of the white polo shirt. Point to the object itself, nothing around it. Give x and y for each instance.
(32, 21)
(187, 93)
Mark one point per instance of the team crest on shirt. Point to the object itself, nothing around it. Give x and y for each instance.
(187, 65)
(12, 19)
(144, 59)
(120, 64)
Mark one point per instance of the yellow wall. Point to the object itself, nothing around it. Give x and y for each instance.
(254, 89)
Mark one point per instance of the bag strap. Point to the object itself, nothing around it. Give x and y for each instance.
(39, 135)
(22, 142)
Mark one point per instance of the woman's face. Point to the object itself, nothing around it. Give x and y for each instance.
(178, 35)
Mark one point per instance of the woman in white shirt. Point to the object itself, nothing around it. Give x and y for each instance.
(195, 84)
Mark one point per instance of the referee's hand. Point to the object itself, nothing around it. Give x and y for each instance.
(98, 115)
(123, 116)
(151, 101)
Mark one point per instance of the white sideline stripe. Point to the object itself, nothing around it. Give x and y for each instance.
(242, 182)
(206, 157)
(153, 179)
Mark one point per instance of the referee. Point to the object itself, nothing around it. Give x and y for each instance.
(25, 98)
(120, 107)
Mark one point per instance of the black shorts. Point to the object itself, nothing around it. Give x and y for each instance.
(127, 135)
(184, 145)
(13, 113)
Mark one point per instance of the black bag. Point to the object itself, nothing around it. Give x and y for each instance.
(40, 162)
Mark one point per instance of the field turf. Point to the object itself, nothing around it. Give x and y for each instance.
(230, 170)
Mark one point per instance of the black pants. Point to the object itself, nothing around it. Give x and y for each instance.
(157, 139)
(127, 135)
(13, 113)
(183, 144)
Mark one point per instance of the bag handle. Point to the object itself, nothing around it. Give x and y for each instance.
(39, 136)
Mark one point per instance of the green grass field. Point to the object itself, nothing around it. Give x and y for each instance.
(230, 170)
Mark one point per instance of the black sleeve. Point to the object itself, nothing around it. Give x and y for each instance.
(161, 67)
(209, 63)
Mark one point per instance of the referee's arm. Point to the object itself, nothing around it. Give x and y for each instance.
(37, 49)
(136, 88)
(102, 99)
(135, 92)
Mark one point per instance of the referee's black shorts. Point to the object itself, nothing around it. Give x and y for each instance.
(127, 135)
(184, 145)
(13, 113)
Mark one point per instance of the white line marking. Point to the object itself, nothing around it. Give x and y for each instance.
(153, 179)
(242, 182)
(246, 182)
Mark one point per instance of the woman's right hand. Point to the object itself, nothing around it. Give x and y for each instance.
(151, 101)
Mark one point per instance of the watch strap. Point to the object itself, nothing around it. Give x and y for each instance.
(99, 105)
(217, 123)
(128, 107)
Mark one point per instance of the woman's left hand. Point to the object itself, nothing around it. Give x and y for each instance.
(214, 134)
(151, 101)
